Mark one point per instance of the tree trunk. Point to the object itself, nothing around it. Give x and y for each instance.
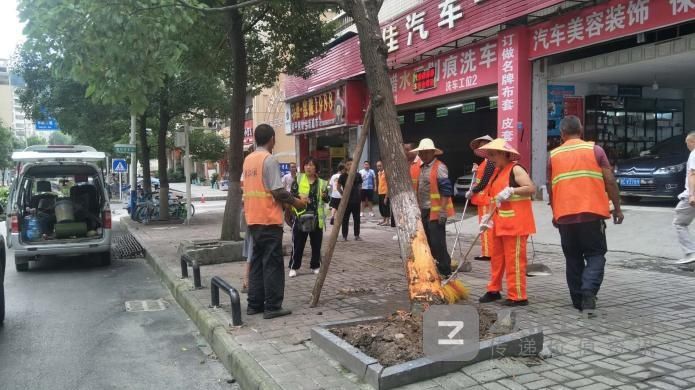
(424, 283)
(145, 155)
(237, 47)
(164, 118)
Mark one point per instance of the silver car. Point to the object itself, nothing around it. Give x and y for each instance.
(58, 205)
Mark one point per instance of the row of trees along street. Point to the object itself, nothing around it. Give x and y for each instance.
(91, 64)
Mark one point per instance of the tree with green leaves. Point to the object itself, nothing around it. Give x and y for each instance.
(36, 140)
(58, 138)
(206, 145)
(6, 149)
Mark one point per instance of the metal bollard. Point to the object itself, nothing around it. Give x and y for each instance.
(187, 260)
(217, 283)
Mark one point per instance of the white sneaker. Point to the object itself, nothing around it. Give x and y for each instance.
(690, 258)
(361, 214)
(316, 271)
(395, 237)
(293, 273)
(371, 214)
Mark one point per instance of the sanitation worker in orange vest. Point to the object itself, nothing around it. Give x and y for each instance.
(434, 191)
(264, 195)
(477, 195)
(581, 182)
(512, 221)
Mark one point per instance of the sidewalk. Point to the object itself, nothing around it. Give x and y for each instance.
(641, 339)
(198, 191)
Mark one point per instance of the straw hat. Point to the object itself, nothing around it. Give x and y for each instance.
(500, 145)
(427, 144)
(475, 144)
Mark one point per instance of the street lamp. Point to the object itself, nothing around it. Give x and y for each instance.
(182, 135)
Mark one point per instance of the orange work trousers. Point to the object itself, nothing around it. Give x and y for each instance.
(486, 237)
(509, 257)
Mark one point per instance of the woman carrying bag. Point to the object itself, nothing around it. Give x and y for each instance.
(309, 222)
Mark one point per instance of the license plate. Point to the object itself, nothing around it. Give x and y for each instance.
(630, 182)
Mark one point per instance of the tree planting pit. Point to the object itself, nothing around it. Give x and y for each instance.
(388, 352)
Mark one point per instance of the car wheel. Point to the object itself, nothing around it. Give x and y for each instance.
(21, 267)
(105, 259)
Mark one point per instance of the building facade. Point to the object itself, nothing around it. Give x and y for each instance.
(464, 68)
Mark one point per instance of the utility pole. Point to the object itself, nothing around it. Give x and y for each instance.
(187, 170)
(133, 167)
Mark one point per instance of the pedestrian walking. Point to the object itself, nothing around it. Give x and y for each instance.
(264, 194)
(353, 206)
(512, 222)
(290, 177)
(335, 193)
(434, 191)
(581, 182)
(368, 185)
(477, 195)
(685, 210)
(383, 193)
(309, 221)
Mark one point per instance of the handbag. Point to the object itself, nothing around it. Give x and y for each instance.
(307, 222)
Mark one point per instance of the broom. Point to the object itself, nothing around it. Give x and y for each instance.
(453, 289)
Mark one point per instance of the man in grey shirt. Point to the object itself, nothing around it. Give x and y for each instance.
(264, 216)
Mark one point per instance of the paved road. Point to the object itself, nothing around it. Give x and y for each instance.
(67, 328)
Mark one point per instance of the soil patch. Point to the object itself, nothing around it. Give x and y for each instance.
(398, 338)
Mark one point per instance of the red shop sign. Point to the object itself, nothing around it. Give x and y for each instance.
(455, 71)
(248, 132)
(322, 110)
(611, 20)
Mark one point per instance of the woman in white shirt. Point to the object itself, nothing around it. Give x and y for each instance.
(335, 194)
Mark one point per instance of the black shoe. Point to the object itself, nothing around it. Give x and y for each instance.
(357, 238)
(490, 297)
(332, 220)
(588, 301)
(251, 311)
(509, 302)
(482, 258)
(276, 313)
(576, 301)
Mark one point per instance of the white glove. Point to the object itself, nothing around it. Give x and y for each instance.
(505, 194)
(486, 222)
(469, 194)
(475, 168)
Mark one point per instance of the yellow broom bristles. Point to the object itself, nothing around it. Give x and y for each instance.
(454, 291)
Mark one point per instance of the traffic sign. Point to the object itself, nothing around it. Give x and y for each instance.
(124, 148)
(50, 125)
(119, 166)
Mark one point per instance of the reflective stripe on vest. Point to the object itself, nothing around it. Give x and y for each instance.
(304, 187)
(514, 217)
(577, 181)
(260, 208)
(435, 197)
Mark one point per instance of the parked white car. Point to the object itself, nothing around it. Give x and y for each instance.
(58, 205)
(461, 186)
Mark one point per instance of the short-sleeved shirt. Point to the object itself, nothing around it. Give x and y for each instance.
(423, 185)
(355, 193)
(334, 186)
(368, 178)
(287, 181)
(271, 172)
(690, 166)
(603, 162)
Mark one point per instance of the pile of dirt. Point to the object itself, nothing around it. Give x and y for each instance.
(398, 338)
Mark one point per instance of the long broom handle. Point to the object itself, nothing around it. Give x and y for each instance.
(463, 215)
(333, 237)
(470, 248)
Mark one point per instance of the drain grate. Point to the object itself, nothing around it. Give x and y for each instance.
(146, 305)
(125, 246)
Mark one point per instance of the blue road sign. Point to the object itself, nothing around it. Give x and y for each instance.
(119, 166)
(50, 124)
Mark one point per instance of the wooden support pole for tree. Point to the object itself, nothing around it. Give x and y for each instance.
(326, 261)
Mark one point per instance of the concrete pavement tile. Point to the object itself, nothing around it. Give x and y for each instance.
(676, 381)
(662, 385)
(512, 384)
(493, 386)
(579, 383)
(541, 384)
(527, 378)
(489, 375)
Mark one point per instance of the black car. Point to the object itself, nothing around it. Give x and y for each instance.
(658, 173)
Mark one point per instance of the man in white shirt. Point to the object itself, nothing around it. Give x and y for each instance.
(685, 210)
(368, 185)
(289, 178)
(335, 194)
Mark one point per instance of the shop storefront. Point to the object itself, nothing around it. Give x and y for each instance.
(460, 69)
(325, 123)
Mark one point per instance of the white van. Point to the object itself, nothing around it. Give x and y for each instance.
(58, 205)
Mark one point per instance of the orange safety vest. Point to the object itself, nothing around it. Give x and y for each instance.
(435, 198)
(481, 198)
(513, 217)
(577, 180)
(259, 205)
(383, 186)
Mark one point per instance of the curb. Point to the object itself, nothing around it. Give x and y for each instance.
(243, 367)
(197, 198)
